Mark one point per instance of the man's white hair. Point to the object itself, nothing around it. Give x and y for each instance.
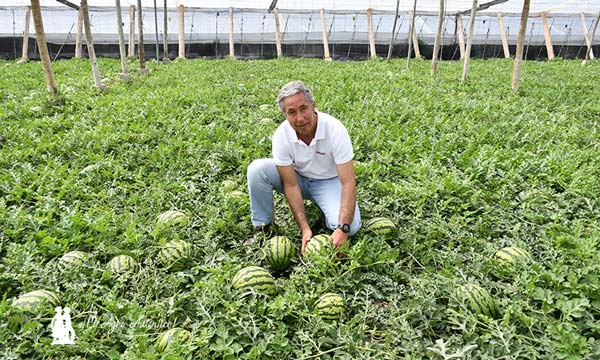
(293, 88)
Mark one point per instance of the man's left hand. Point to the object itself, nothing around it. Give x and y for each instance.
(338, 237)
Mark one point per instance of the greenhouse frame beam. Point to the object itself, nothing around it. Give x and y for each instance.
(483, 6)
(69, 4)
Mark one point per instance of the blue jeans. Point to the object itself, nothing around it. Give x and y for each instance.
(263, 178)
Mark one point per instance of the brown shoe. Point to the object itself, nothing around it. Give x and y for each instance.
(259, 235)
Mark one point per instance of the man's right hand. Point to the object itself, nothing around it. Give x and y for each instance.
(306, 236)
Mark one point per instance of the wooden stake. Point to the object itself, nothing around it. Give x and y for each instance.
(124, 72)
(277, 34)
(503, 36)
(181, 13)
(25, 50)
(131, 51)
(461, 36)
(90, 46)
(231, 43)
(390, 48)
(519, 51)
(588, 41)
(78, 41)
(415, 39)
(438, 37)
(589, 49)
(165, 34)
(140, 16)
(42, 46)
(547, 36)
(371, 34)
(325, 41)
(411, 33)
(469, 41)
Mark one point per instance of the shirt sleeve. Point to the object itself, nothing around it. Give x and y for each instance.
(342, 147)
(281, 151)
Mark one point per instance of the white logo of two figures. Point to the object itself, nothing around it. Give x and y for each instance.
(62, 330)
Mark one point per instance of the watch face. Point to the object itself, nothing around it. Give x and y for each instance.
(345, 228)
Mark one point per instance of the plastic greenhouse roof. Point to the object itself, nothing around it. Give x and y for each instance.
(552, 7)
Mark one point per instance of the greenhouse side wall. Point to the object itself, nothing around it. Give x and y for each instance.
(207, 34)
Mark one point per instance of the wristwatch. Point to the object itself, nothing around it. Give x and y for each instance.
(345, 227)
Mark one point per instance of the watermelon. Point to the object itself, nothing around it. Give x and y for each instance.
(478, 300)
(317, 243)
(72, 259)
(171, 217)
(380, 226)
(121, 264)
(228, 185)
(34, 299)
(279, 251)
(330, 306)
(175, 254)
(164, 339)
(254, 278)
(511, 255)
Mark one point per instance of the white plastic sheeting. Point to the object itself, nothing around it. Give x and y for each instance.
(346, 21)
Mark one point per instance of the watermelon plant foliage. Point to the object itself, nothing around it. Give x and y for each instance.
(462, 170)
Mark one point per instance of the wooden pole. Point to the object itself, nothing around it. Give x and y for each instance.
(25, 50)
(588, 41)
(90, 46)
(141, 38)
(181, 13)
(325, 40)
(503, 36)
(131, 51)
(411, 33)
(78, 41)
(438, 37)
(231, 43)
(165, 34)
(124, 72)
(461, 36)
(371, 34)
(415, 39)
(589, 49)
(156, 32)
(40, 36)
(277, 34)
(390, 48)
(520, 40)
(547, 36)
(469, 41)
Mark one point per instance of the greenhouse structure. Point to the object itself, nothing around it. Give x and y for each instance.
(354, 29)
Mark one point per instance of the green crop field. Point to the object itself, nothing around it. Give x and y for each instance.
(462, 170)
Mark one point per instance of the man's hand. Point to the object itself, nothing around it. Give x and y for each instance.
(338, 237)
(306, 236)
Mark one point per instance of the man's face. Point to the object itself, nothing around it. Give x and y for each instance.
(301, 114)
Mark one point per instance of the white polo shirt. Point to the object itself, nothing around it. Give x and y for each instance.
(330, 146)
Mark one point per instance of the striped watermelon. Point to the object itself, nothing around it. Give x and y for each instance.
(72, 259)
(478, 300)
(254, 278)
(121, 264)
(171, 217)
(330, 306)
(175, 254)
(279, 251)
(511, 255)
(317, 243)
(380, 226)
(34, 299)
(176, 334)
